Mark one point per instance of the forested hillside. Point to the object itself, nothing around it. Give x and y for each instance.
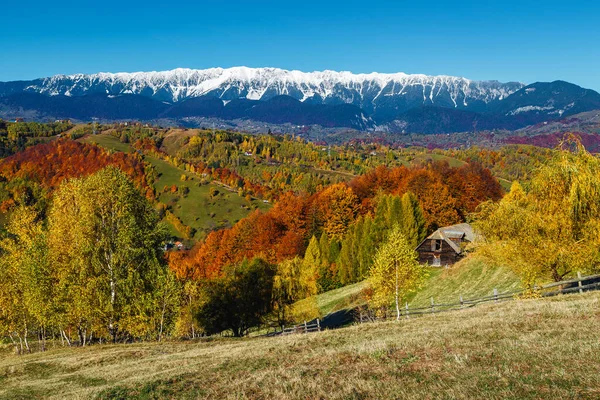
(91, 227)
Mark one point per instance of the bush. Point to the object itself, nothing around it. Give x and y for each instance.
(239, 301)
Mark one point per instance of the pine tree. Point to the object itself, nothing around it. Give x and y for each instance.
(347, 257)
(413, 223)
(367, 248)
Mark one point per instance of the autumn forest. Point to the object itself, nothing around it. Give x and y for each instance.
(123, 232)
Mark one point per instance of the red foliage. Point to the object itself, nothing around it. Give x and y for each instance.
(457, 190)
(51, 163)
(446, 195)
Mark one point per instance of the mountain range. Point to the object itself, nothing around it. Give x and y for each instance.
(394, 103)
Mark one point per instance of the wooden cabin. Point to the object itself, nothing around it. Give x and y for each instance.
(446, 245)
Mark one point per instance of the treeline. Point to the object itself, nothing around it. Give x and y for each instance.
(30, 176)
(510, 162)
(16, 136)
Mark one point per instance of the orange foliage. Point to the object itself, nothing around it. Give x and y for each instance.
(446, 196)
(51, 163)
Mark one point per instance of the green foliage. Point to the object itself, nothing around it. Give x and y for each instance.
(366, 235)
(240, 300)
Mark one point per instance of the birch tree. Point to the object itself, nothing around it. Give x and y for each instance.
(395, 272)
(106, 239)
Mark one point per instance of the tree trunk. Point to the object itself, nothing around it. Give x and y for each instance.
(162, 320)
(397, 297)
(64, 335)
(12, 339)
(25, 339)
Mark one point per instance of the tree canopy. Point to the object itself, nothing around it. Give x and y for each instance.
(551, 228)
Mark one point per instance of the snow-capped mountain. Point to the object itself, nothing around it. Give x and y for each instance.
(380, 94)
(394, 103)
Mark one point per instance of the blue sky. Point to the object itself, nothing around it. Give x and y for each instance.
(510, 40)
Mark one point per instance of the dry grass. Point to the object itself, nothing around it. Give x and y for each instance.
(533, 349)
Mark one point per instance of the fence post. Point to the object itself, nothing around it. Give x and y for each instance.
(461, 301)
(432, 306)
(283, 330)
(305, 327)
(496, 295)
(319, 323)
(407, 310)
(579, 283)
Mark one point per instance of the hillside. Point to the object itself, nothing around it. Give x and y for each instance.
(471, 278)
(198, 209)
(530, 349)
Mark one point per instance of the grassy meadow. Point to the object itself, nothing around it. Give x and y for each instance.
(470, 277)
(198, 209)
(529, 349)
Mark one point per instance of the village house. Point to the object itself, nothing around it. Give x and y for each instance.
(446, 245)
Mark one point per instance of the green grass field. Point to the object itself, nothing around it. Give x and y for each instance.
(108, 141)
(528, 349)
(197, 209)
(471, 278)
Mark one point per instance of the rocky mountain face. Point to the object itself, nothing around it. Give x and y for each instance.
(392, 103)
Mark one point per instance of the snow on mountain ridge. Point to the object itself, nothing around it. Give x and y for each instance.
(364, 90)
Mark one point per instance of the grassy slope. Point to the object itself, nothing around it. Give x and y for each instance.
(470, 278)
(196, 208)
(531, 349)
(338, 299)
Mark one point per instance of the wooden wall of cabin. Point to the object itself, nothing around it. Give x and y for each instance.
(447, 253)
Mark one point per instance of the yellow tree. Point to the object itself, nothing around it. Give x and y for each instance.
(26, 284)
(339, 207)
(105, 240)
(290, 285)
(553, 229)
(395, 272)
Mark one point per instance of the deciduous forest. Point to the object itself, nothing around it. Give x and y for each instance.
(87, 244)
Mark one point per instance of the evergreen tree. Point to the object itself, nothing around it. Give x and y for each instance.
(413, 224)
(347, 257)
(368, 247)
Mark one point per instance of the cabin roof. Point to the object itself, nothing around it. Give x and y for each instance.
(447, 233)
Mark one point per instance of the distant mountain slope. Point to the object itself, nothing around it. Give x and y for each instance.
(278, 110)
(549, 99)
(393, 103)
(382, 94)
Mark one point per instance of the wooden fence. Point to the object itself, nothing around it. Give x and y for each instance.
(302, 328)
(363, 314)
(580, 284)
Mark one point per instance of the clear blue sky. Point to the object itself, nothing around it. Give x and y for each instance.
(521, 40)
